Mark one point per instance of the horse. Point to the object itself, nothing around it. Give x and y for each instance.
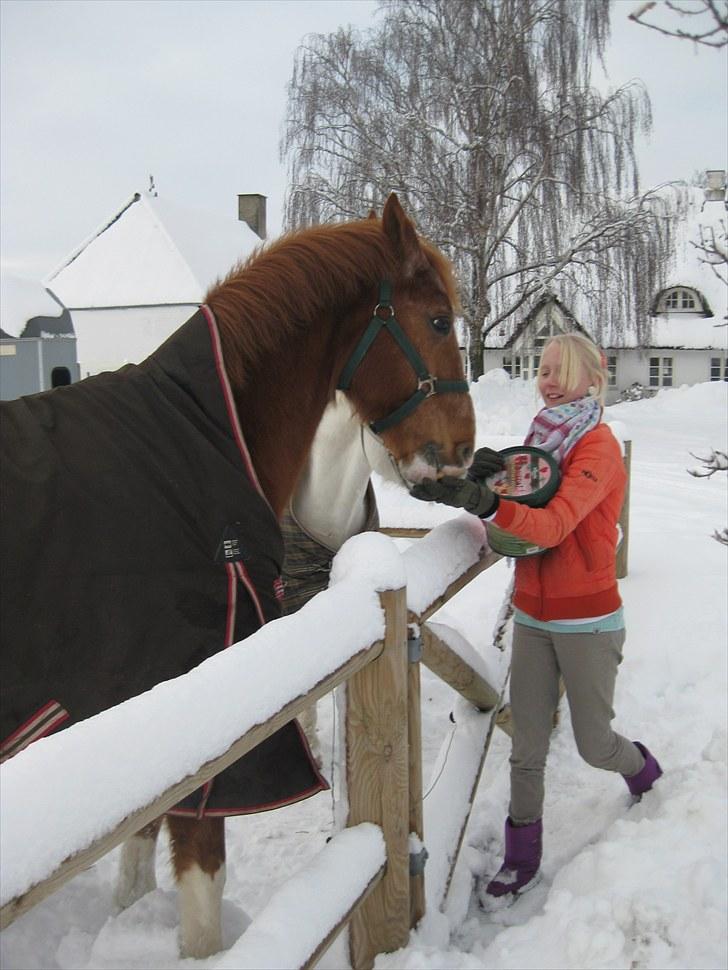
(224, 413)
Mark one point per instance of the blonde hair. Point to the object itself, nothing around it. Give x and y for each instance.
(579, 356)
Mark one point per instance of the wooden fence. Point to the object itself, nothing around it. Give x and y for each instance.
(383, 764)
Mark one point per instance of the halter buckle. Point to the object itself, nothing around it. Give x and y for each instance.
(385, 311)
(427, 384)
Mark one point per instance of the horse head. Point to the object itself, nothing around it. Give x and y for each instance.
(408, 384)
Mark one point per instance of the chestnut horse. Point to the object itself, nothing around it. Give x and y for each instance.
(295, 322)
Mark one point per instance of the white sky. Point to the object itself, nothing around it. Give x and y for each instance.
(97, 95)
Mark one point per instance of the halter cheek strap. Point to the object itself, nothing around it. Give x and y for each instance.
(383, 318)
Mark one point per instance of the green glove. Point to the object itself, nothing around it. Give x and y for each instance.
(460, 493)
(486, 462)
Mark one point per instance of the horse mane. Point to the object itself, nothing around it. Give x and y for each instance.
(303, 276)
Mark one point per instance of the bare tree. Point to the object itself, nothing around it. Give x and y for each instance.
(702, 21)
(481, 114)
(717, 461)
(712, 248)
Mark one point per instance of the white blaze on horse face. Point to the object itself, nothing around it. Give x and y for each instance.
(418, 468)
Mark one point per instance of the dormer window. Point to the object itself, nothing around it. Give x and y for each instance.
(680, 299)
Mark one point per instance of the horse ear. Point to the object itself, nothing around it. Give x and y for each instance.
(402, 235)
(372, 214)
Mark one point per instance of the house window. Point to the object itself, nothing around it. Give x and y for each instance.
(680, 300)
(611, 371)
(550, 327)
(530, 366)
(512, 366)
(719, 369)
(660, 371)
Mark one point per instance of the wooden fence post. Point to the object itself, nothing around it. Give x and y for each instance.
(416, 822)
(378, 784)
(623, 548)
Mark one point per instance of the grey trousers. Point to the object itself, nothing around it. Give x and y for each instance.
(588, 663)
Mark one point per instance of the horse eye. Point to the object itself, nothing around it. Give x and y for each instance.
(441, 324)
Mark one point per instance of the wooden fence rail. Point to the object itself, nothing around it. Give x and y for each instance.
(86, 856)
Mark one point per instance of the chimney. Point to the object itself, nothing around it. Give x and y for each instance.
(251, 209)
(715, 185)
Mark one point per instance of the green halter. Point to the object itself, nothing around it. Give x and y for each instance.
(383, 318)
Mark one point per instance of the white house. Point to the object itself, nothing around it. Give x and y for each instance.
(142, 273)
(688, 341)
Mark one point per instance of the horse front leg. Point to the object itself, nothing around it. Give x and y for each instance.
(198, 856)
(136, 875)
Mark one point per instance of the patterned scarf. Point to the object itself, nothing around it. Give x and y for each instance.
(558, 429)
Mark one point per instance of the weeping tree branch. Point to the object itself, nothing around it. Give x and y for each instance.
(481, 115)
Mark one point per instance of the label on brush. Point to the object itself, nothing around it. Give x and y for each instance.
(523, 475)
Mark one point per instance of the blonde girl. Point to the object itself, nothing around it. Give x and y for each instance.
(569, 621)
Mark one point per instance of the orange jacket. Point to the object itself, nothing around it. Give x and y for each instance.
(577, 575)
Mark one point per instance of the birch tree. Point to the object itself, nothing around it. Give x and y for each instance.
(482, 116)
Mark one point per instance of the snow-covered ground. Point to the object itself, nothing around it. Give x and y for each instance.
(623, 887)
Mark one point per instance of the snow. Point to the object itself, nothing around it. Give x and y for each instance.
(356, 853)
(440, 558)
(372, 557)
(20, 300)
(687, 332)
(624, 886)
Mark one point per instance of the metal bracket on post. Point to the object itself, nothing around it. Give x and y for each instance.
(414, 643)
(417, 861)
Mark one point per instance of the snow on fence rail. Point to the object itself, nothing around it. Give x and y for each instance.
(101, 780)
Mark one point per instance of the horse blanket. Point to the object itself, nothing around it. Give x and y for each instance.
(307, 562)
(136, 542)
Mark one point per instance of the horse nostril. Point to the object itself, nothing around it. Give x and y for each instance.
(432, 454)
(464, 453)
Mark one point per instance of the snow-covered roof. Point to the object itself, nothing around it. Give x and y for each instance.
(151, 252)
(682, 332)
(691, 267)
(21, 300)
(690, 331)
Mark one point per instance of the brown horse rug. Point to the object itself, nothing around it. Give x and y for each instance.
(136, 542)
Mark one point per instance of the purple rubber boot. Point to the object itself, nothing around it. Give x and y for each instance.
(520, 867)
(647, 776)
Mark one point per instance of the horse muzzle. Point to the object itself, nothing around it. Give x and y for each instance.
(431, 461)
